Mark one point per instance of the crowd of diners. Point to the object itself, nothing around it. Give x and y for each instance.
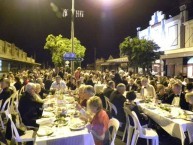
(120, 87)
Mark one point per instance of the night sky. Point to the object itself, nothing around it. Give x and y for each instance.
(26, 23)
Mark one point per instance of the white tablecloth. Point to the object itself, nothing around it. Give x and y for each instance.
(64, 136)
(175, 127)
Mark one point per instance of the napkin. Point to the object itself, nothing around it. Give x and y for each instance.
(44, 121)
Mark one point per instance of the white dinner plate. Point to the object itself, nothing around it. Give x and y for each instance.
(45, 131)
(47, 114)
(49, 109)
(77, 126)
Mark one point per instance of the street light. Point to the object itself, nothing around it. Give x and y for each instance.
(105, 2)
(108, 3)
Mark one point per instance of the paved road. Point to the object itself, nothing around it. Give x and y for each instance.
(164, 139)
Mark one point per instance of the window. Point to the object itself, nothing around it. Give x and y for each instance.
(191, 34)
(173, 35)
(1, 65)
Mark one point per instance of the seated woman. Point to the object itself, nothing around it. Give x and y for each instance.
(99, 123)
(99, 92)
(71, 84)
(161, 93)
(37, 96)
(81, 99)
(143, 119)
(43, 92)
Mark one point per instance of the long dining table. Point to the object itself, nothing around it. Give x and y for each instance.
(61, 134)
(174, 122)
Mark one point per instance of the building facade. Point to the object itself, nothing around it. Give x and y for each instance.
(174, 35)
(13, 59)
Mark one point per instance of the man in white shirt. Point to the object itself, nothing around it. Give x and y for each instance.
(147, 90)
(59, 84)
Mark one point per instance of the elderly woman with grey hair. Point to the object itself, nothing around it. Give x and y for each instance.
(87, 93)
(29, 108)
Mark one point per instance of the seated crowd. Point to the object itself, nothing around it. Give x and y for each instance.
(38, 84)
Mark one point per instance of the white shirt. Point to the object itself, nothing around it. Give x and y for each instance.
(61, 85)
(176, 101)
(148, 91)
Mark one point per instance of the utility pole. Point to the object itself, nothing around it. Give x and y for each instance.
(79, 14)
(72, 35)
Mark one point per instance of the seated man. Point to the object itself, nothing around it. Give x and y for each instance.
(30, 109)
(177, 98)
(132, 86)
(59, 84)
(161, 93)
(118, 100)
(109, 89)
(6, 92)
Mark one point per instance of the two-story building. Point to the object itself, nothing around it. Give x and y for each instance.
(13, 59)
(174, 35)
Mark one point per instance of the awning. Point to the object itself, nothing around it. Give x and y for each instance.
(21, 61)
(105, 64)
(181, 52)
(175, 55)
(118, 60)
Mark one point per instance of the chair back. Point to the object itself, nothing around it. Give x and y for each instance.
(15, 134)
(112, 107)
(1, 102)
(127, 114)
(137, 124)
(22, 90)
(6, 105)
(115, 124)
(106, 102)
(14, 102)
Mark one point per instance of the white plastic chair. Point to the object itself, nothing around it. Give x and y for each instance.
(112, 107)
(28, 136)
(14, 102)
(115, 124)
(106, 102)
(128, 127)
(22, 90)
(4, 108)
(1, 120)
(146, 133)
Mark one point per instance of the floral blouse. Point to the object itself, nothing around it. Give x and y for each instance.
(99, 124)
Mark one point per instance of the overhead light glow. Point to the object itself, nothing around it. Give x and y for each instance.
(108, 3)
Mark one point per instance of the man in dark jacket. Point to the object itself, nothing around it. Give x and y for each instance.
(29, 108)
(132, 86)
(118, 100)
(109, 89)
(177, 98)
(6, 92)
